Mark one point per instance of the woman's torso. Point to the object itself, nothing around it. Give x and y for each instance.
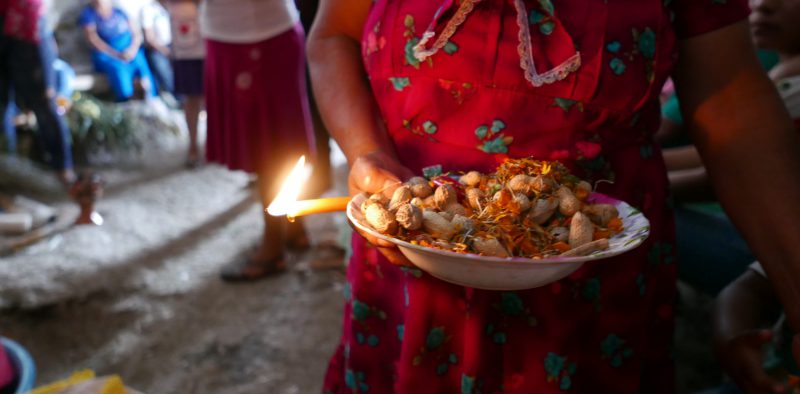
(114, 29)
(605, 328)
(187, 42)
(246, 21)
(471, 101)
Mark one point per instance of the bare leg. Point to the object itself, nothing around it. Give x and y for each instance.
(269, 256)
(191, 108)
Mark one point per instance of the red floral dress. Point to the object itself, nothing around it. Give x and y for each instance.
(462, 84)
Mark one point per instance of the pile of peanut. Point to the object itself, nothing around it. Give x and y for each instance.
(535, 213)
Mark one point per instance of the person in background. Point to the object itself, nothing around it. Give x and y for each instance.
(26, 72)
(258, 111)
(712, 253)
(749, 303)
(116, 49)
(408, 85)
(188, 52)
(155, 21)
(26, 68)
(741, 312)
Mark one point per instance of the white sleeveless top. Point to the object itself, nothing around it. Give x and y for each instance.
(246, 21)
(187, 43)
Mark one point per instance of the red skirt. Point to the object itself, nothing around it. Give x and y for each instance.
(257, 103)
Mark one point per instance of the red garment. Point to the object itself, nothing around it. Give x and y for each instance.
(608, 327)
(256, 99)
(21, 19)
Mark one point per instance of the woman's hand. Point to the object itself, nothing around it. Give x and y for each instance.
(742, 359)
(378, 172)
(130, 52)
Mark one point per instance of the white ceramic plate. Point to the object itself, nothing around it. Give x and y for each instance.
(512, 273)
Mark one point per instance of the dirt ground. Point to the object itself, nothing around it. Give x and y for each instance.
(140, 296)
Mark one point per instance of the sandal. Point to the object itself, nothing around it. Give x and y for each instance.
(297, 239)
(249, 270)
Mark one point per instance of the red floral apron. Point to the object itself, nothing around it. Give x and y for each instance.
(463, 84)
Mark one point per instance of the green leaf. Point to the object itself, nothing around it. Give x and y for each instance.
(481, 132)
(429, 127)
(617, 66)
(535, 17)
(547, 28)
(498, 125)
(450, 48)
(400, 83)
(548, 6)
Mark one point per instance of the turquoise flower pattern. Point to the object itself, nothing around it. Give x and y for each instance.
(614, 349)
(644, 46)
(434, 345)
(567, 104)
(361, 311)
(426, 128)
(467, 384)
(661, 253)
(559, 370)
(544, 18)
(355, 381)
(589, 291)
(492, 141)
(400, 83)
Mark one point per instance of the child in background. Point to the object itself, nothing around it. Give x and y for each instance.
(188, 52)
(157, 39)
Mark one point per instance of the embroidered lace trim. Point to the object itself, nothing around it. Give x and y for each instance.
(526, 57)
(461, 14)
(524, 48)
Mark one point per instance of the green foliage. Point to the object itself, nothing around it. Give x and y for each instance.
(96, 125)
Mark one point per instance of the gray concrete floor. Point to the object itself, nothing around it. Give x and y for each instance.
(140, 296)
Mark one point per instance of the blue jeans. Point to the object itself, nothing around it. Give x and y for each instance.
(121, 74)
(25, 68)
(161, 67)
(711, 253)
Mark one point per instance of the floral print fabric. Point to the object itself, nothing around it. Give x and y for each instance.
(607, 328)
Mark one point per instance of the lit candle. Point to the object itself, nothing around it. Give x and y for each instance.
(285, 203)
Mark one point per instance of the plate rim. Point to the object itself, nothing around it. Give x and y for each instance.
(515, 261)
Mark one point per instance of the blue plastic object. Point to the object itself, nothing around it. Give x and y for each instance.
(23, 363)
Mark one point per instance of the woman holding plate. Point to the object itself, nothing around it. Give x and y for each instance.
(406, 85)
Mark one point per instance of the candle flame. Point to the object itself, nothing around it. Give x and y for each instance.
(285, 202)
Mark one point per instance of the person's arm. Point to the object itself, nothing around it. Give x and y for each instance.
(749, 147)
(136, 42)
(152, 41)
(150, 37)
(338, 77)
(346, 103)
(741, 309)
(97, 43)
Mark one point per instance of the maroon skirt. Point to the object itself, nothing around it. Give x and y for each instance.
(257, 104)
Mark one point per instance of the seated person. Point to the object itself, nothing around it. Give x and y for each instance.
(116, 49)
(742, 310)
(155, 22)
